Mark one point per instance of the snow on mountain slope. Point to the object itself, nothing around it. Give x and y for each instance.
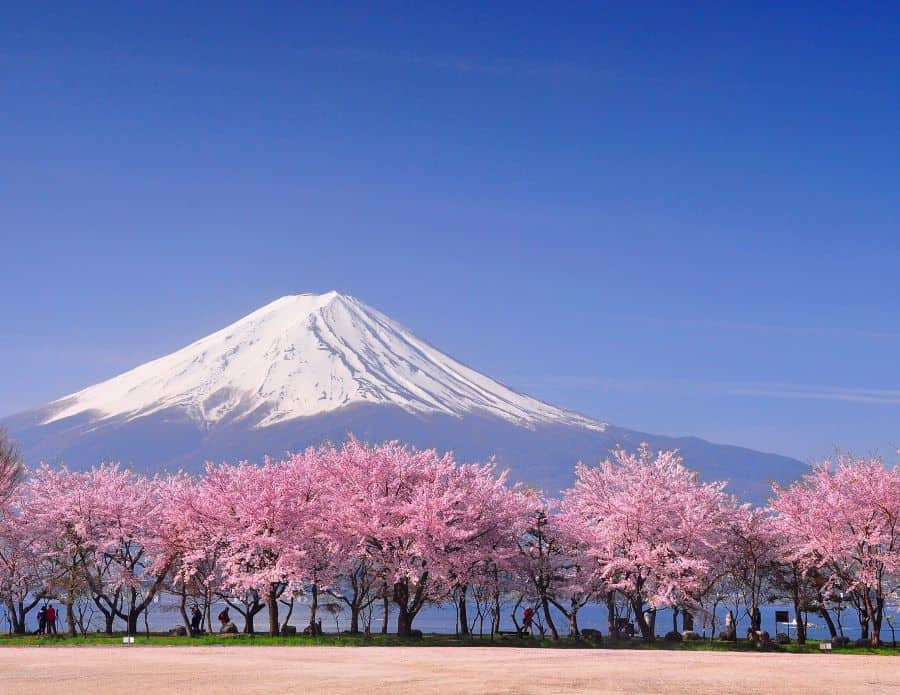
(306, 355)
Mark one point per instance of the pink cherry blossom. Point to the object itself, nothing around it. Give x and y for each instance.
(649, 526)
(843, 518)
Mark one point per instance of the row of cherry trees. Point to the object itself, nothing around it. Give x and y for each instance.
(391, 525)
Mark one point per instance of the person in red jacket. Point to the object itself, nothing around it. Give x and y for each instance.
(50, 617)
(527, 618)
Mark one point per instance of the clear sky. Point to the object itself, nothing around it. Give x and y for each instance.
(682, 219)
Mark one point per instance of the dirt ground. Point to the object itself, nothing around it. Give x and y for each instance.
(398, 670)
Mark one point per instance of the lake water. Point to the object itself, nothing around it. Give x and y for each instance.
(164, 615)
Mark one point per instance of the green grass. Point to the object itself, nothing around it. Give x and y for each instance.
(430, 640)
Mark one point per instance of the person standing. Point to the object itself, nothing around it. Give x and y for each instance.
(196, 620)
(527, 619)
(42, 620)
(50, 618)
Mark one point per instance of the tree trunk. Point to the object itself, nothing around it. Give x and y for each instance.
(876, 623)
(401, 598)
(573, 623)
(70, 617)
(25, 609)
(463, 614)
(828, 621)
(248, 607)
(386, 604)
(272, 603)
(755, 618)
(287, 618)
(107, 608)
(798, 615)
(545, 604)
(408, 609)
(515, 609)
(863, 614)
(251, 608)
(360, 584)
(314, 609)
(354, 618)
(647, 628)
(687, 621)
(133, 616)
(16, 620)
(611, 615)
(873, 617)
(404, 621)
(136, 608)
(182, 607)
(21, 619)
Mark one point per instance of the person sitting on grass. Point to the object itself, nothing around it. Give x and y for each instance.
(227, 627)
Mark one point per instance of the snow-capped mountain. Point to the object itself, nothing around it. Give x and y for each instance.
(306, 355)
(310, 368)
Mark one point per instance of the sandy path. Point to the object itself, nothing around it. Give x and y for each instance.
(400, 670)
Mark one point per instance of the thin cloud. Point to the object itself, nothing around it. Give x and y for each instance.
(848, 394)
(471, 65)
(821, 393)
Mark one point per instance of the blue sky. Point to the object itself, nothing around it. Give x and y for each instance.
(678, 220)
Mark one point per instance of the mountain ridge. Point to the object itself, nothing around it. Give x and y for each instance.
(309, 368)
(304, 355)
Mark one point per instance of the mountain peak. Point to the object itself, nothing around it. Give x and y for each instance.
(303, 355)
(306, 301)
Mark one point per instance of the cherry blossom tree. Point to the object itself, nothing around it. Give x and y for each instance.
(419, 518)
(270, 527)
(649, 525)
(748, 554)
(48, 495)
(843, 518)
(577, 584)
(543, 557)
(104, 531)
(23, 572)
(315, 548)
(498, 517)
(19, 575)
(191, 547)
(244, 506)
(356, 580)
(412, 527)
